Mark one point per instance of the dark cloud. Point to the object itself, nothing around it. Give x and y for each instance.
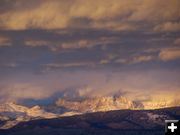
(66, 48)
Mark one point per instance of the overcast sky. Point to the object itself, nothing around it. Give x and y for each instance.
(97, 47)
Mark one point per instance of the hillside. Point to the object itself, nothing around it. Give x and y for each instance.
(125, 122)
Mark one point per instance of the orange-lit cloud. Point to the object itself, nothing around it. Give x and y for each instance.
(168, 54)
(168, 26)
(5, 41)
(114, 14)
(66, 65)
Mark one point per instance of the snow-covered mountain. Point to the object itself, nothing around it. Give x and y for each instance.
(99, 104)
(157, 104)
(36, 111)
(12, 113)
(113, 103)
(118, 122)
(12, 107)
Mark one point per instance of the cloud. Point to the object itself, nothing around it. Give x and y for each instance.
(135, 59)
(87, 83)
(35, 43)
(90, 61)
(79, 43)
(140, 59)
(169, 54)
(95, 38)
(5, 41)
(114, 14)
(56, 46)
(89, 43)
(153, 10)
(8, 65)
(77, 93)
(69, 65)
(168, 27)
(14, 92)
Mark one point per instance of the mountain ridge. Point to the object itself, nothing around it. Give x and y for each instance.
(11, 113)
(118, 122)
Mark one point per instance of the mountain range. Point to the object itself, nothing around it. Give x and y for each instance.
(117, 122)
(12, 113)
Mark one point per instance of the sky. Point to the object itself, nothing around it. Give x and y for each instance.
(89, 48)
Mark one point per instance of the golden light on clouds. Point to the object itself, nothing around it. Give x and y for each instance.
(120, 14)
(5, 41)
(169, 54)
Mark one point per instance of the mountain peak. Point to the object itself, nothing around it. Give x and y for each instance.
(97, 104)
(108, 103)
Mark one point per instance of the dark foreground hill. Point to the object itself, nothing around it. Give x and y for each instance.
(121, 122)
